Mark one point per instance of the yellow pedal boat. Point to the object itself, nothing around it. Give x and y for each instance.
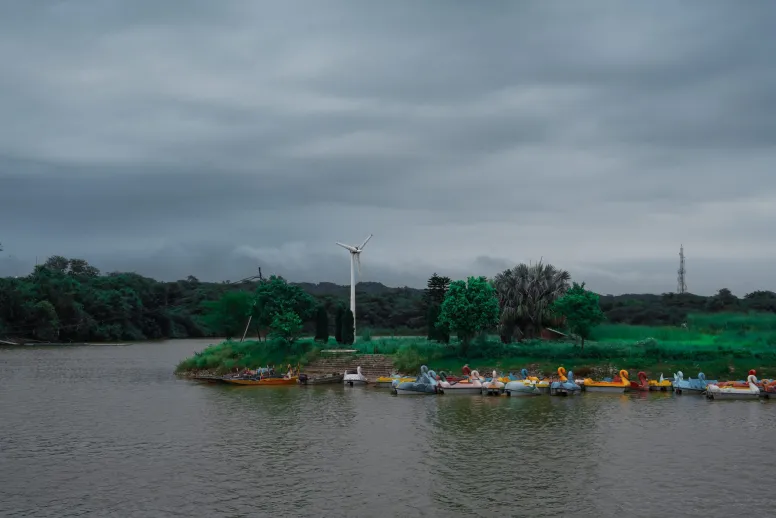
(661, 384)
(620, 384)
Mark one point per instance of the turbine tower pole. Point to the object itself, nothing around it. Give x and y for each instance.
(355, 255)
(353, 289)
(681, 284)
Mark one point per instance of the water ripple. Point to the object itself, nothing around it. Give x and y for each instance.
(101, 431)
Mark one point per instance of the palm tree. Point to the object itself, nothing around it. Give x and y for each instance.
(525, 294)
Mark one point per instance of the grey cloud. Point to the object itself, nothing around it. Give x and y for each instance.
(597, 134)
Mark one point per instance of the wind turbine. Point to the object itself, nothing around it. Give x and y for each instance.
(355, 258)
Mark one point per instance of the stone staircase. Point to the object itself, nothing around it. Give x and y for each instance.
(372, 365)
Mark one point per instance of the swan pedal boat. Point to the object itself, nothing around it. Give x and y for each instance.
(691, 386)
(612, 387)
(543, 385)
(522, 385)
(494, 386)
(645, 384)
(714, 391)
(424, 385)
(353, 379)
(466, 387)
(565, 386)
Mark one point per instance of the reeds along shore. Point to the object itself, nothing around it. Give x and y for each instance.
(719, 345)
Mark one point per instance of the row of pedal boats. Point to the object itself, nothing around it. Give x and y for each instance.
(429, 382)
(521, 384)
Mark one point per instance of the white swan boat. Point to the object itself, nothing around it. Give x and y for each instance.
(494, 387)
(354, 378)
(714, 391)
(521, 388)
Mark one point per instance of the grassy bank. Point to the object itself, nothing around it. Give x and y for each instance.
(228, 356)
(721, 345)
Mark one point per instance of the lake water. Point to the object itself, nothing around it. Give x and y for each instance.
(109, 431)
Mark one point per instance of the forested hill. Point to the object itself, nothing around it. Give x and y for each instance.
(69, 300)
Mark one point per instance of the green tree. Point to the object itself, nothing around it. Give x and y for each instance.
(470, 307)
(45, 321)
(57, 263)
(275, 296)
(338, 324)
(81, 268)
(286, 326)
(228, 315)
(581, 309)
(432, 318)
(436, 288)
(347, 327)
(525, 295)
(436, 330)
(322, 325)
(434, 295)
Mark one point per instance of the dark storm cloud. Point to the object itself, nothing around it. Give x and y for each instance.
(211, 138)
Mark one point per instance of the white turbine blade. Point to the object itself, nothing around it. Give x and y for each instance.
(358, 263)
(365, 242)
(348, 247)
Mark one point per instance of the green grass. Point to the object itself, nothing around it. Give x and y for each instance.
(229, 355)
(721, 345)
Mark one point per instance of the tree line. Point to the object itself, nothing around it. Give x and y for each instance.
(69, 300)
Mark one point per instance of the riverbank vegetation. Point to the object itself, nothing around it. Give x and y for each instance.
(722, 345)
(69, 300)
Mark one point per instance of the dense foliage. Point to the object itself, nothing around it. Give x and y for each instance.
(581, 310)
(434, 296)
(69, 300)
(469, 308)
(526, 294)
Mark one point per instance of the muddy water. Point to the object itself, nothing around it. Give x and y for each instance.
(108, 431)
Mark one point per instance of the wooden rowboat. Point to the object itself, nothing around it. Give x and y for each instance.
(264, 382)
(321, 380)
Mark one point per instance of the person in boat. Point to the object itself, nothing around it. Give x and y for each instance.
(466, 370)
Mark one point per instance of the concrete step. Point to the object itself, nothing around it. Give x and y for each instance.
(372, 365)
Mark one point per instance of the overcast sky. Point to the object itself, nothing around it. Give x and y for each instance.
(210, 137)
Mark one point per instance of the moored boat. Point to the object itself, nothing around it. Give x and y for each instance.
(752, 391)
(768, 389)
(661, 384)
(691, 386)
(466, 386)
(521, 385)
(263, 381)
(424, 384)
(641, 385)
(617, 386)
(326, 379)
(265, 377)
(354, 378)
(565, 386)
(493, 386)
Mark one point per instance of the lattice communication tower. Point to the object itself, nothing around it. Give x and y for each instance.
(681, 285)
